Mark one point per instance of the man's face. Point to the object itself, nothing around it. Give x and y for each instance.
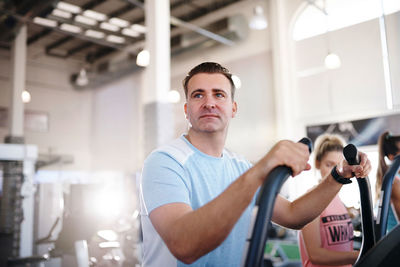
(209, 106)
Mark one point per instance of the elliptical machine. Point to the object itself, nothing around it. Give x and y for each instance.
(384, 253)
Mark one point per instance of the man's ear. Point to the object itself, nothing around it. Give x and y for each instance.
(234, 109)
(185, 109)
(391, 156)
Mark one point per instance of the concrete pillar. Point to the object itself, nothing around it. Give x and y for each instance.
(158, 116)
(281, 47)
(16, 109)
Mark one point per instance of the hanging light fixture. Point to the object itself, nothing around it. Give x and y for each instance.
(332, 61)
(236, 81)
(82, 79)
(26, 96)
(174, 96)
(258, 21)
(143, 58)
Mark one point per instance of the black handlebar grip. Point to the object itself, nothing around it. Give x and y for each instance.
(351, 154)
(307, 141)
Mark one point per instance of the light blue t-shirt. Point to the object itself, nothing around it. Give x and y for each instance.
(179, 172)
(392, 219)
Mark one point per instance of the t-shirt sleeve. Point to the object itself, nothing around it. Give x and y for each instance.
(163, 181)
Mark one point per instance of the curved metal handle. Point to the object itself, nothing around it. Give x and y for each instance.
(268, 192)
(384, 201)
(367, 217)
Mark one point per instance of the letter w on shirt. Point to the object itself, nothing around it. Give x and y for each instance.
(339, 233)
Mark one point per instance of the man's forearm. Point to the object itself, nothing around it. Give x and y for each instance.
(198, 232)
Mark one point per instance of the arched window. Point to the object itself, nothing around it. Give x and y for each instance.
(341, 14)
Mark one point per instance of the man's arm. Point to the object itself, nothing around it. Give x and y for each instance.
(303, 210)
(190, 234)
(322, 256)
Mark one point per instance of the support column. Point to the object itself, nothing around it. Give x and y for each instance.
(158, 112)
(16, 211)
(283, 71)
(16, 108)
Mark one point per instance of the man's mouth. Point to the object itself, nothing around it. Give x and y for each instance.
(209, 116)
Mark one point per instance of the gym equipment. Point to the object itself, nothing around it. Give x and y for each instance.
(384, 201)
(367, 216)
(386, 252)
(266, 201)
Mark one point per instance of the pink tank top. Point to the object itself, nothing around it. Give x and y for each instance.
(336, 231)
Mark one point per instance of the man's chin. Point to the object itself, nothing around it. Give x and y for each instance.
(208, 128)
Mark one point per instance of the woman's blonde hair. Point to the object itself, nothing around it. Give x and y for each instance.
(327, 143)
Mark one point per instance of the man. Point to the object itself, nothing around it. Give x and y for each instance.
(197, 196)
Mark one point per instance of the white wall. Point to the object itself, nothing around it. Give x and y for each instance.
(354, 91)
(69, 111)
(393, 37)
(116, 126)
(357, 88)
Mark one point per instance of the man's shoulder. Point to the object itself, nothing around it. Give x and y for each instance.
(177, 149)
(235, 157)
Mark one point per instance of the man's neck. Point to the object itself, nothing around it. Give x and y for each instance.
(209, 143)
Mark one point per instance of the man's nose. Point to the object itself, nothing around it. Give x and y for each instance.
(209, 103)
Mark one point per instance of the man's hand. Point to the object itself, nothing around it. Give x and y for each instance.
(360, 171)
(288, 153)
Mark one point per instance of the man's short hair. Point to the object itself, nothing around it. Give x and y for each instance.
(209, 67)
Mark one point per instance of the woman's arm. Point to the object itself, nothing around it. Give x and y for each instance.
(395, 197)
(322, 256)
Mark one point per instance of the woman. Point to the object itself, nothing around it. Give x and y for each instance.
(389, 147)
(327, 241)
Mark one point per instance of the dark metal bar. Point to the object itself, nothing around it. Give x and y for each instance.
(384, 202)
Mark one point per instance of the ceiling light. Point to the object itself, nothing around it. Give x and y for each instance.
(130, 32)
(138, 28)
(143, 58)
(45, 22)
(112, 244)
(61, 13)
(116, 39)
(119, 22)
(85, 20)
(70, 28)
(26, 97)
(94, 34)
(332, 61)
(82, 79)
(108, 235)
(69, 7)
(174, 96)
(95, 15)
(258, 21)
(109, 27)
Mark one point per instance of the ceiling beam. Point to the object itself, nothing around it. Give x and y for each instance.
(57, 43)
(78, 48)
(39, 35)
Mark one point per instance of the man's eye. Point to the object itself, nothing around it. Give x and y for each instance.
(197, 96)
(219, 95)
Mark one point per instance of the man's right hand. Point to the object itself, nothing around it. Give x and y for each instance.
(287, 153)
